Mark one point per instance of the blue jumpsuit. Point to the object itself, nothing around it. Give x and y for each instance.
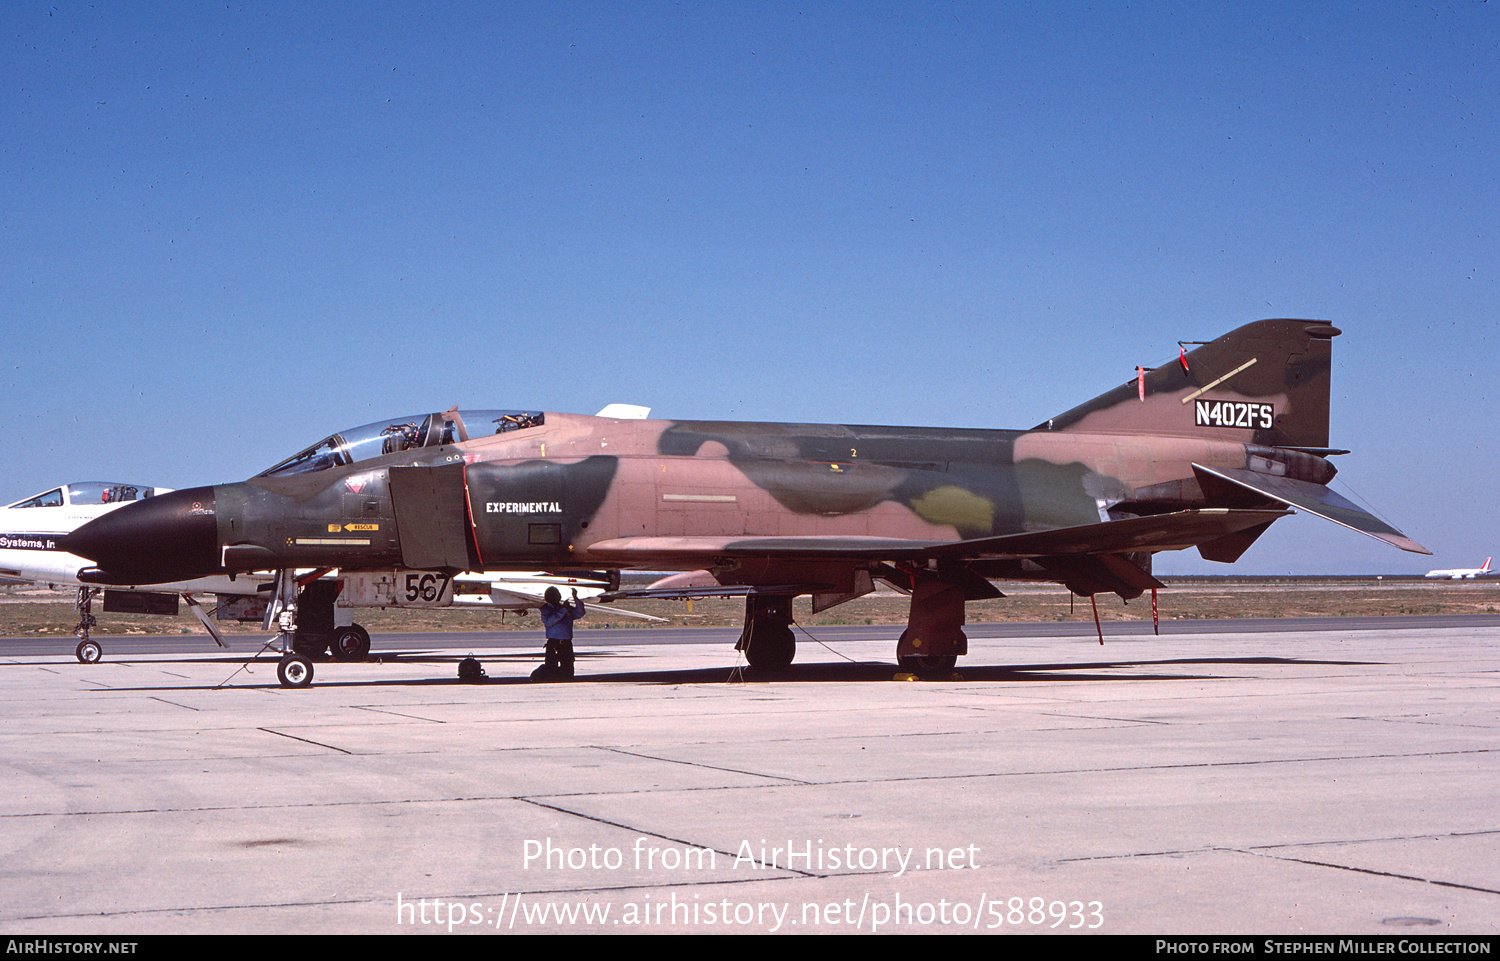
(558, 619)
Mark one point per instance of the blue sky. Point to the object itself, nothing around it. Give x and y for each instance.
(229, 229)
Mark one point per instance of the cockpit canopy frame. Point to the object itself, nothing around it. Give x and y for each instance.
(87, 494)
(401, 434)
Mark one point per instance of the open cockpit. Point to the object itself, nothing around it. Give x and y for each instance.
(402, 434)
(87, 494)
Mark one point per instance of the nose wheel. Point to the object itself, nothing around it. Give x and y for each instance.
(88, 651)
(294, 670)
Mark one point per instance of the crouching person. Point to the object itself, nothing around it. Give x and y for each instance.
(558, 618)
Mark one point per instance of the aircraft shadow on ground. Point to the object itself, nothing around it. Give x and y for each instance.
(802, 673)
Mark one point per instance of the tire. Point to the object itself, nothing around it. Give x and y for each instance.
(928, 665)
(294, 670)
(350, 643)
(88, 652)
(771, 649)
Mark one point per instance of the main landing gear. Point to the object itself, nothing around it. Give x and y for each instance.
(928, 665)
(934, 635)
(350, 643)
(929, 647)
(767, 639)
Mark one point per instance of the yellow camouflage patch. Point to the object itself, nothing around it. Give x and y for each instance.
(957, 507)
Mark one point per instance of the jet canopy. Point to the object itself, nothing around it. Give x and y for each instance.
(402, 433)
(89, 493)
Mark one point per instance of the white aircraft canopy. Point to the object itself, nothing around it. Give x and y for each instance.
(402, 433)
(88, 493)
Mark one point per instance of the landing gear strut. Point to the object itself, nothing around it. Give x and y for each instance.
(88, 651)
(304, 618)
(294, 669)
(767, 639)
(934, 635)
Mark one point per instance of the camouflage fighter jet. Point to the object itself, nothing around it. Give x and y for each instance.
(1204, 452)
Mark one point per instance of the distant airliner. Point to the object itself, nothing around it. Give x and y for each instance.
(1463, 573)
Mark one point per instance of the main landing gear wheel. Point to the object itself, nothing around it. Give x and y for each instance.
(294, 670)
(88, 652)
(771, 649)
(928, 665)
(350, 643)
(767, 640)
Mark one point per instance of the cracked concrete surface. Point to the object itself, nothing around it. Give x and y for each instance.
(1330, 782)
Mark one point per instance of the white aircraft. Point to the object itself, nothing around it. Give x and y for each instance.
(31, 529)
(1463, 573)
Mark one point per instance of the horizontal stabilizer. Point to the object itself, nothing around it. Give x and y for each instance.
(1315, 499)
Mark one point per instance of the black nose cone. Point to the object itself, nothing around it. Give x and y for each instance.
(170, 537)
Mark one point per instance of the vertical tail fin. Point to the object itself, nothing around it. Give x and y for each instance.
(1266, 383)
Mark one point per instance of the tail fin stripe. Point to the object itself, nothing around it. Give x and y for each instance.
(1203, 390)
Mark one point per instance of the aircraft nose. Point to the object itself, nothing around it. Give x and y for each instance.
(170, 537)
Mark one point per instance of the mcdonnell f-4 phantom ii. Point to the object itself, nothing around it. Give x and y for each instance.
(1204, 452)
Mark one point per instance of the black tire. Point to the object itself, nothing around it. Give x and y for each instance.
(294, 670)
(350, 643)
(771, 649)
(88, 652)
(928, 665)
